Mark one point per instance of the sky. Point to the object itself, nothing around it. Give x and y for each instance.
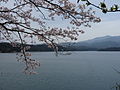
(110, 24)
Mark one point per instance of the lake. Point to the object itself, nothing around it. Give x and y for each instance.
(78, 71)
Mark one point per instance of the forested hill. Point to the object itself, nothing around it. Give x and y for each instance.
(7, 47)
(106, 43)
(100, 43)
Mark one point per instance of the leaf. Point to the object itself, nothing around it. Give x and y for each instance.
(116, 7)
(104, 10)
(103, 5)
(112, 9)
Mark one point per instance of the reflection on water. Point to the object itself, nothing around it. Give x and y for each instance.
(78, 71)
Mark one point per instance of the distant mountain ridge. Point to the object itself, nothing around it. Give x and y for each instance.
(106, 43)
(98, 43)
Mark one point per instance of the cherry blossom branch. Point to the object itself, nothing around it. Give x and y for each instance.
(20, 20)
(102, 6)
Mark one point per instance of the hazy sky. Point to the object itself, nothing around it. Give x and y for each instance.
(110, 24)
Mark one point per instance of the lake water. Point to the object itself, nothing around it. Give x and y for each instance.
(78, 71)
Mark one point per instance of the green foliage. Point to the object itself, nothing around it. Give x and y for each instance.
(114, 8)
(102, 5)
(104, 8)
(7, 48)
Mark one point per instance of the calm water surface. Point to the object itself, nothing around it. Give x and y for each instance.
(78, 71)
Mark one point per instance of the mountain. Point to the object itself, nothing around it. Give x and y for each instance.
(106, 43)
(110, 49)
(6, 47)
(43, 47)
(97, 43)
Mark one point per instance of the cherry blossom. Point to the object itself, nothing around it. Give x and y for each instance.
(18, 17)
